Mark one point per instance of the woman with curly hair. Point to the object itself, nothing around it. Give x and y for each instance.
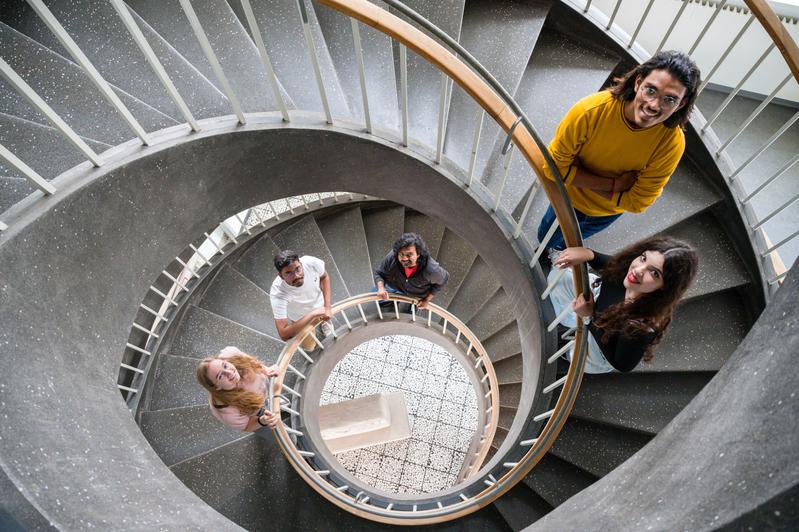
(237, 386)
(633, 300)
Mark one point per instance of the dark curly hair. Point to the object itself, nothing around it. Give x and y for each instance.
(679, 65)
(411, 239)
(652, 311)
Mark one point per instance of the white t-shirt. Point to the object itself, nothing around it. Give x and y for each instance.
(295, 302)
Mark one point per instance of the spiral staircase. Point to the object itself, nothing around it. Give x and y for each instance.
(77, 267)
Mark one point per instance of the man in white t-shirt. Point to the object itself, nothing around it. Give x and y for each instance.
(300, 295)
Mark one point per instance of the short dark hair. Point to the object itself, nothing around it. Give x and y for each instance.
(411, 239)
(285, 258)
(679, 65)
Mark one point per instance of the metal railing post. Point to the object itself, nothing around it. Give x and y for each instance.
(356, 37)
(671, 27)
(404, 92)
(306, 30)
(29, 173)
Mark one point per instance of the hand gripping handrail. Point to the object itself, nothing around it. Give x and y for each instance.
(339, 494)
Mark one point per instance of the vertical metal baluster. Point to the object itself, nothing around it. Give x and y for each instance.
(442, 115)
(205, 44)
(543, 245)
(306, 29)
(475, 144)
(640, 23)
(587, 6)
(526, 210)
(77, 54)
(505, 169)
(404, 92)
(771, 179)
(356, 37)
(755, 113)
(780, 243)
(40, 182)
(737, 88)
(702, 33)
(765, 146)
(775, 212)
(727, 52)
(264, 55)
(613, 15)
(27, 92)
(673, 24)
(144, 46)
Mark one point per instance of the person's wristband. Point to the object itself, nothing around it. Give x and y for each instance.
(259, 421)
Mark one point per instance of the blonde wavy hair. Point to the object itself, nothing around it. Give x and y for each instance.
(247, 402)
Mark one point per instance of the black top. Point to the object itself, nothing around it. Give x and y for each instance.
(623, 352)
(428, 277)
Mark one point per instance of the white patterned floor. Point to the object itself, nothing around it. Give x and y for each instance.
(442, 408)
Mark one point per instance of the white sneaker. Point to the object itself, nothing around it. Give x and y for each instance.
(327, 328)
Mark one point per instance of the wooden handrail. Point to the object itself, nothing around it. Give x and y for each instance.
(778, 33)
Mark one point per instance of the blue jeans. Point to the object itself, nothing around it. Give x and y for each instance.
(589, 225)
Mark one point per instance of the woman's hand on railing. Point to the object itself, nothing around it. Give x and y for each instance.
(573, 257)
(269, 419)
(271, 371)
(584, 307)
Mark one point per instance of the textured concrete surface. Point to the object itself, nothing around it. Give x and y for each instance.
(645, 402)
(238, 299)
(203, 333)
(346, 239)
(508, 370)
(177, 434)
(53, 77)
(382, 227)
(501, 36)
(556, 480)
(596, 448)
(457, 256)
(13, 189)
(740, 434)
(381, 85)
(282, 33)
(430, 229)
(175, 385)
(478, 287)
(493, 316)
(257, 263)
(521, 506)
(97, 29)
(231, 44)
(504, 343)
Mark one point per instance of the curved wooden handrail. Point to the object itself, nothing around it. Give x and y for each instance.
(778, 33)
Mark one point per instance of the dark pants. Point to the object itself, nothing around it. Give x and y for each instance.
(589, 225)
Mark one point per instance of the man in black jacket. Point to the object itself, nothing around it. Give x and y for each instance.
(408, 269)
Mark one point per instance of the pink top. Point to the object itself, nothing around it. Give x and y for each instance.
(230, 415)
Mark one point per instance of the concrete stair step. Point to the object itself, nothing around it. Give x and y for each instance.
(596, 448)
(282, 33)
(424, 80)
(692, 344)
(67, 89)
(546, 92)
(233, 296)
(42, 148)
(231, 44)
(510, 394)
(499, 438)
(175, 384)
(203, 333)
(12, 190)
(98, 30)
(173, 433)
(506, 415)
(644, 402)
(477, 288)
(381, 85)
(345, 237)
(456, 255)
(257, 262)
(521, 506)
(555, 480)
(305, 238)
(501, 36)
(509, 370)
(504, 344)
(382, 226)
(495, 315)
(430, 229)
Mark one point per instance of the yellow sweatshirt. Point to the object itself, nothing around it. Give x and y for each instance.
(595, 135)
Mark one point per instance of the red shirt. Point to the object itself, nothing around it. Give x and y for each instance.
(410, 271)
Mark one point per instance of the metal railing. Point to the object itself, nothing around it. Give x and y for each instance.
(778, 42)
(433, 317)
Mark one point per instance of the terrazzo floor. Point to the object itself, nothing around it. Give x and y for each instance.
(442, 410)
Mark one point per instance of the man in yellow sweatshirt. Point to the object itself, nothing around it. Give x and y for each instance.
(617, 148)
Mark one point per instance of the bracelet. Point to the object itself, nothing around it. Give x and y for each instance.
(259, 421)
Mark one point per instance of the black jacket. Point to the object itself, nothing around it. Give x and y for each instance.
(429, 276)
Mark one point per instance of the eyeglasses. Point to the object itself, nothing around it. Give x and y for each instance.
(667, 102)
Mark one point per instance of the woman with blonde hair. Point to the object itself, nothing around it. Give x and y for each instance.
(237, 389)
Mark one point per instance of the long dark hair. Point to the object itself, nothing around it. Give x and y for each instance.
(650, 311)
(678, 65)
